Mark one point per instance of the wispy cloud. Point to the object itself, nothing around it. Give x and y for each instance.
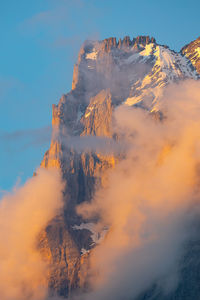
(22, 139)
(46, 18)
(63, 20)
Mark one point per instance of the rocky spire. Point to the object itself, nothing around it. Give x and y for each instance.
(111, 43)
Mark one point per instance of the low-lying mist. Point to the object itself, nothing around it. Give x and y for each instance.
(23, 214)
(151, 199)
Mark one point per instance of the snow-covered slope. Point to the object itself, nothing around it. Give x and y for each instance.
(135, 71)
(168, 67)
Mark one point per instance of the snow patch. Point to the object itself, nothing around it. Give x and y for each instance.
(88, 111)
(197, 50)
(148, 50)
(91, 55)
(136, 56)
(130, 101)
(84, 251)
(97, 236)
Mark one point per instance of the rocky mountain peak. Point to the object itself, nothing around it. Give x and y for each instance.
(131, 72)
(192, 52)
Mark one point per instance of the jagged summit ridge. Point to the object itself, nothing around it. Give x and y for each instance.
(130, 67)
(110, 43)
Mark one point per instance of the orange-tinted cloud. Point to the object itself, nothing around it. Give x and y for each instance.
(150, 196)
(23, 214)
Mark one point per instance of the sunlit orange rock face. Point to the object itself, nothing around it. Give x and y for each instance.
(107, 74)
(192, 52)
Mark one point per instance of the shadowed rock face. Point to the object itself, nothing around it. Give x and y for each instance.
(107, 74)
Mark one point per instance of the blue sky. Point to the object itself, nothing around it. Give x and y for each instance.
(40, 40)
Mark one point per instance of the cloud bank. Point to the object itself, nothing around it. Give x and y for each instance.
(23, 214)
(151, 198)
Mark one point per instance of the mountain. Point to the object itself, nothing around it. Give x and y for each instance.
(107, 73)
(192, 52)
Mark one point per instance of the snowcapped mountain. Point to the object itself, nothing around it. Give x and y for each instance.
(108, 73)
(135, 71)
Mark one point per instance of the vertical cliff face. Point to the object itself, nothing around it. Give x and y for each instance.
(108, 73)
